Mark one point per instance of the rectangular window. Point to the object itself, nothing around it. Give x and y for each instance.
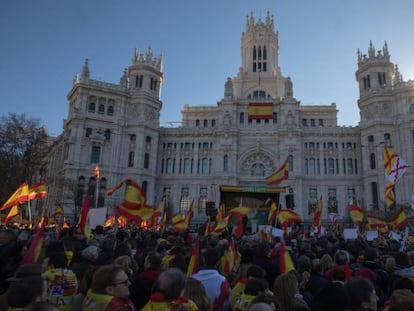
(213, 123)
(186, 167)
(146, 160)
(131, 159)
(95, 154)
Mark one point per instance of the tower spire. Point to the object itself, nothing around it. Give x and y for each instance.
(85, 70)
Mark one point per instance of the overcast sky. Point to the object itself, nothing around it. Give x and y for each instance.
(45, 42)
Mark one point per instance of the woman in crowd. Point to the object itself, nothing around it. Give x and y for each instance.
(195, 291)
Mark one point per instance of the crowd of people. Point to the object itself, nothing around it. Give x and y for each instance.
(136, 269)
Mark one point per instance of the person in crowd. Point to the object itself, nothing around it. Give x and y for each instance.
(109, 290)
(24, 271)
(382, 282)
(316, 281)
(267, 299)
(62, 283)
(216, 285)
(25, 291)
(84, 286)
(332, 296)
(9, 257)
(107, 250)
(262, 259)
(195, 291)
(238, 289)
(254, 287)
(142, 284)
(168, 293)
(41, 306)
(127, 263)
(286, 290)
(362, 295)
(341, 259)
(401, 300)
(89, 256)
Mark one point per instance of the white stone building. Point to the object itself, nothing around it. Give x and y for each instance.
(236, 142)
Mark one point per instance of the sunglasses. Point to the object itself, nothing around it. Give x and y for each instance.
(126, 283)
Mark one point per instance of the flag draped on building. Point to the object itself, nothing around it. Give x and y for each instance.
(84, 217)
(317, 218)
(394, 165)
(280, 175)
(37, 191)
(18, 197)
(260, 111)
(356, 213)
(286, 263)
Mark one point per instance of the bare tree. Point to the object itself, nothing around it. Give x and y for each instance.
(23, 145)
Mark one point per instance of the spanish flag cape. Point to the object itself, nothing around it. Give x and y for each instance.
(157, 302)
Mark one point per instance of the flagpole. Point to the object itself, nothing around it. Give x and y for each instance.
(29, 210)
(96, 173)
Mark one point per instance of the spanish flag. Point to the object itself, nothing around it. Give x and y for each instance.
(14, 211)
(280, 175)
(317, 218)
(33, 253)
(194, 264)
(111, 191)
(219, 227)
(286, 263)
(221, 212)
(286, 216)
(84, 217)
(376, 223)
(272, 213)
(18, 197)
(400, 220)
(37, 191)
(356, 213)
(134, 196)
(260, 111)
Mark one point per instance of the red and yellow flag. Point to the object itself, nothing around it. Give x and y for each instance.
(286, 216)
(389, 193)
(179, 223)
(317, 218)
(194, 264)
(400, 220)
(219, 227)
(84, 217)
(286, 263)
(221, 212)
(356, 213)
(33, 253)
(37, 191)
(228, 260)
(18, 197)
(14, 214)
(96, 171)
(272, 213)
(280, 175)
(134, 196)
(111, 191)
(376, 223)
(260, 111)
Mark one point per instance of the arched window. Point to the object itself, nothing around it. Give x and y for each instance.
(101, 109)
(257, 170)
(91, 107)
(110, 111)
(185, 201)
(225, 163)
(204, 166)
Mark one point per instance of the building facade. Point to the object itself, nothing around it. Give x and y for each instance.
(237, 142)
